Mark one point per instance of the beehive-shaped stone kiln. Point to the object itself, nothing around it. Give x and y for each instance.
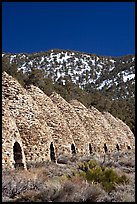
(37, 128)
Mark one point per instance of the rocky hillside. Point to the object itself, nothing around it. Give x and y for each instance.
(40, 120)
(114, 76)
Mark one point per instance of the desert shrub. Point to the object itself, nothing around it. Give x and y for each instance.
(18, 182)
(109, 178)
(84, 166)
(36, 164)
(125, 193)
(92, 164)
(96, 174)
(128, 163)
(69, 190)
(19, 186)
(75, 189)
(87, 181)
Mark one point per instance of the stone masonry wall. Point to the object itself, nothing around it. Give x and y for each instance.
(35, 120)
(96, 131)
(61, 133)
(79, 133)
(35, 134)
(10, 135)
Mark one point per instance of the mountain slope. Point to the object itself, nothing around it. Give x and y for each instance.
(114, 76)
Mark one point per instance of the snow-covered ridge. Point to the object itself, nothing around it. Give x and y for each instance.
(84, 69)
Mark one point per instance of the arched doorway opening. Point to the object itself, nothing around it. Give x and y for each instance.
(128, 147)
(90, 148)
(73, 149)
(17, 155)
(52, 153)
(117, 146)
(105, 148)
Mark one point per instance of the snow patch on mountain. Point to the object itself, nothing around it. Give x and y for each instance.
(11, 58)
(128, 77)
(83, 69)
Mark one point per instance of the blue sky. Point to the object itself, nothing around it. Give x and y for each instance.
(102, 28)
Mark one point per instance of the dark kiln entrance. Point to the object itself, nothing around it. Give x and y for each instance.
(17, 155)
(73, 149)
(52, 153)
(90, 148)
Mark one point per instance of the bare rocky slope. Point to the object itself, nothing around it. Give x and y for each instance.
(38, 128)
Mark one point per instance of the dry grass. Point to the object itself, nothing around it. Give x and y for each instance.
(51, 182)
